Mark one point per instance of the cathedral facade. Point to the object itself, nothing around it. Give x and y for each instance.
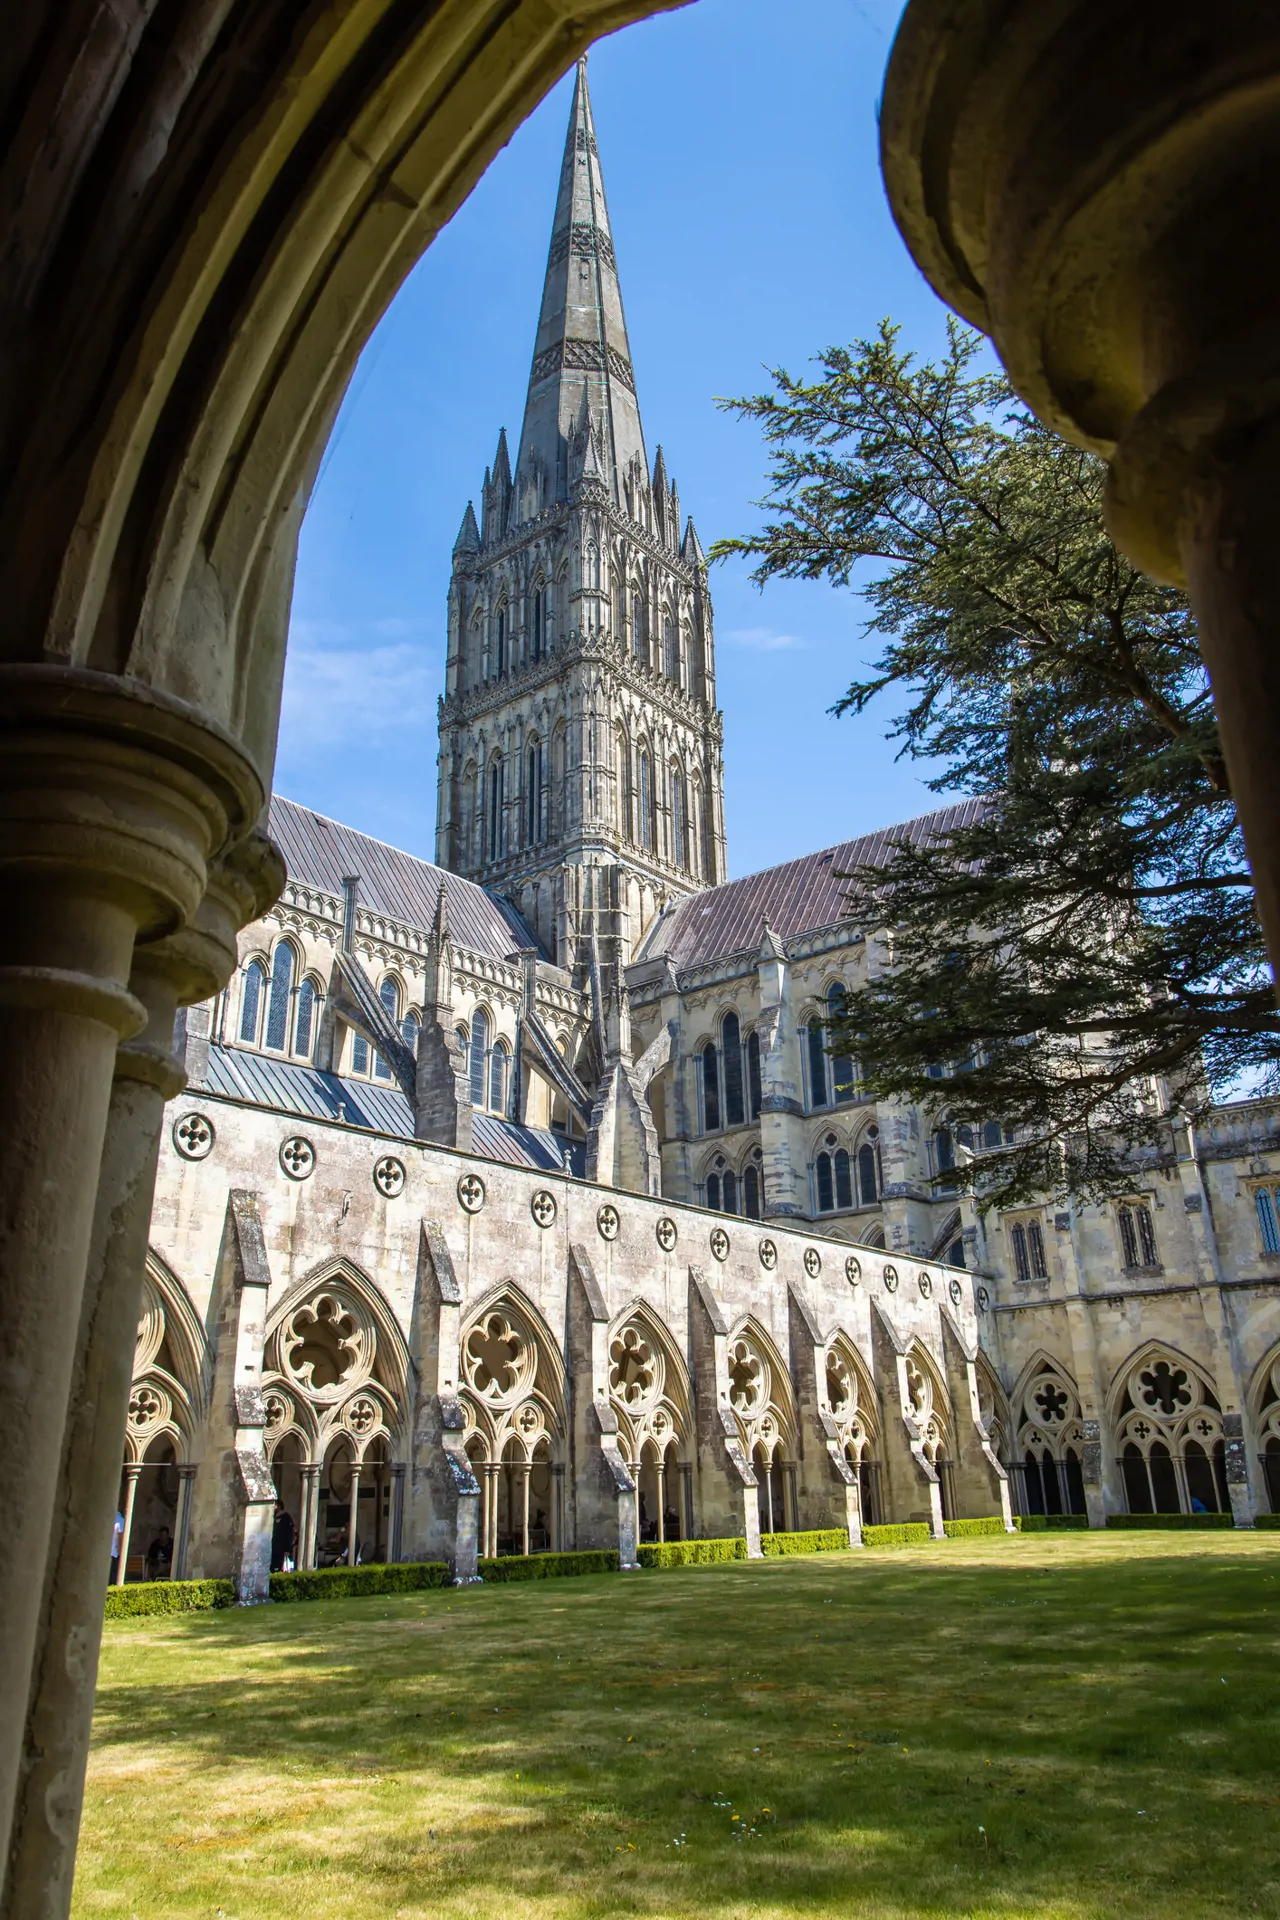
(515, 1202)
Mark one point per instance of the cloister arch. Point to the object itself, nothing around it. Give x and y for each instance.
(1044, 1452)
(928, 1405)
(1264, 1409)
(1170, 1444)
(761, 1399)
(514, 1398)
(168, 1402)
(650, 1391)
(337, 1385)
(853, 1405)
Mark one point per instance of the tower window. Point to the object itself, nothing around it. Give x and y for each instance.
(499, 1060)
(502, 641)
(1138, 1235)
(496, 800)
(844, 1179)
(533, 796)
(679, 821)
(389, 994)
(843, 1077)
(536, 618)
(645, 782)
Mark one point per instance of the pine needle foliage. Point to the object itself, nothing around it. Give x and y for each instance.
(1084, 956)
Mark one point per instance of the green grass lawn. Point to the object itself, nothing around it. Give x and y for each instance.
(1051, 1726)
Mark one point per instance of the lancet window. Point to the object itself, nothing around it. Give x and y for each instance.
(279, 1002)
(497, 802)
(1137, 1234)
(255, 979)
(389, 994)
(304, 1025)
(1026, 1237)
(479, 1055)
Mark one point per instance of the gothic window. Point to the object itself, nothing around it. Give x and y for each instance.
(671, 651)
(533, 795)
(410, 1028)
(817, 1052)
(306, 1018)
(591, 577)
(992, 1136)
(499, 1063)
(479, 1051)
(869, 1168)
(645, 784)
(640, 627)
(501, 655)
(679, 821)
(1172, 1447)
(944, 1158)
(713, 1191)
(710, 1088)
(389, 994)
(844, 1179)
(730, 1190)
(731, 1043)
(622, 755)
(1138, 1235)
(1262, 1200)
(1019, 1237)
(843, 1077)
(824, 1184)
(255, 977)
(496, 801)
(751, 1193)
(753, 1076)
(282, 964)
(359, 1053)
(535, 623)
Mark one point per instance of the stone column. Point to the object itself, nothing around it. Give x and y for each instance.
(662, 1501)
(112, 800)
(182, 1527)
(524, 1508)
(308, 1520)
(686, 1489)
(448, 1513)
(1090, 186)
(132, 1469)
(397, 1510)
(190, 964)
(353, 1515)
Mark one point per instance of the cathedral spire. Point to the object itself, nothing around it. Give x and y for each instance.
(581, 352)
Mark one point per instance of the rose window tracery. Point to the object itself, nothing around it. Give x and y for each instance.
(148, 1407)
(499, 1361)
(633, 1372)
(326, 1345)
(361, 1416)
(1052, 1402)
(748, 1385)
(839, 1385)
(1164, 1388)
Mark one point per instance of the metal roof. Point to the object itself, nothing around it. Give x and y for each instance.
(797, 897)
(320, 853)
(288, 1086)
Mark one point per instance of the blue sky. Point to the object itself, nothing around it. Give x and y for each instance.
(738, 141)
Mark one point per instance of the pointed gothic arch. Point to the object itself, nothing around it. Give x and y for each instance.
(1167, 1421)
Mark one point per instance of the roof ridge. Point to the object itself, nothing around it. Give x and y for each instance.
(390, 845)
(797, 859)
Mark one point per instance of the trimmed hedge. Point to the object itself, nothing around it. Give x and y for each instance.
(548, 1566)
(1267, 1520)
(821, 1540)
(908, 1533)
(966, 1529)
(169, 1596)
(690, 1553)
(1051, 1522)
(1175, 1520)
(349, 1583)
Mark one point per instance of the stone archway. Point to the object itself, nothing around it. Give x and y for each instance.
(209, 211)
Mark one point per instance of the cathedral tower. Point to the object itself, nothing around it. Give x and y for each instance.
(580, 768)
